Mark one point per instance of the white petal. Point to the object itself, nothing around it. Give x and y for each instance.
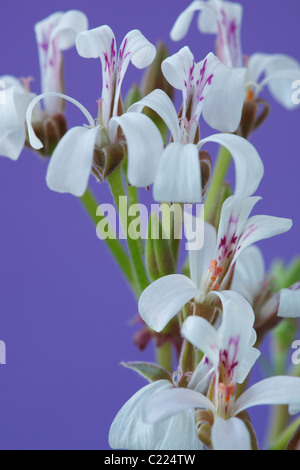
(289, 302)
(249, 273)
(202, 334)
(137, 49)
(280, 71)
(248, 165)
(200, 259)
(172, 402)
(159, 101)
(185, 440)
(228, 95)
(184, 20)
(144, 144)
(273, 391)
(261, 227)
(230, 434)
(164, 298)
(54, 34)
(34, 141)
(246, 364)
(128, 431)
(13, 105)
(71, 163)
(178, 176)
(101, 43)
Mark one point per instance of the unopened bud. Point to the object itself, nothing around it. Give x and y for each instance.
(251, 118)
(50, 132)
(153, 78)
(132, 96)
(108, 159)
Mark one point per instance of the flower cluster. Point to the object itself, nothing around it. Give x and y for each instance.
(217, 310)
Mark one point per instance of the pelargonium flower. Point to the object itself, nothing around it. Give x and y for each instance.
(129, 431)
(224, 19)
(54, 35)
(250, 280)
(73, 159)
(228, 427)
(211, 89)
(212, 267)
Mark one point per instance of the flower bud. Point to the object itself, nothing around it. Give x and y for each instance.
(107, 159)
(50, 131)
(132, 96)
(153, 77)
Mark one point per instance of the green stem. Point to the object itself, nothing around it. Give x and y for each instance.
(114, 246)
(279, 421)
(164, 356)
(220, 172)
(284, 438)
(117, 189)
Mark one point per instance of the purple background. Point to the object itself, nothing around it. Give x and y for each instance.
(64, 306)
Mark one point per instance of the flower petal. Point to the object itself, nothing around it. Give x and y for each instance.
(184, 20)
(230, 434)
(54, 34)
(248, 165)
(164, 298)
(289, 302)
(280, 71)
(128, 431)
(159, 102)
(71, 163)
(13, 105)
(172, 402)
(178, 176)
(144, 144)
(273, 391)
(203, 335)
(249, 273)
(260, 227)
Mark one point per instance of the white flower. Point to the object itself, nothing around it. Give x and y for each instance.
(249, 281)
(54, 35)
(224, 19)
(230, 353)
(72, 161)
(217, 92)
(211, 267)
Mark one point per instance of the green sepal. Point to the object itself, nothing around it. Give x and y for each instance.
(149, 371)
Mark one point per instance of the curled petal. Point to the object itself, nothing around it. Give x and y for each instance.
(248, 165)
(203, 335)
(71, 162)
(144, 144)
(164, 298)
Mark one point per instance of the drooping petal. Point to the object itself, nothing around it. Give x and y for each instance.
(13, 104)
(289, 302)
(246, 364)
(203, 335)
(159, 102)
(260, 227)
(145, 146)
(272, 391)
(171, 402)
(71, 162)
(33, 139)
(164, 298)
(248, 165)
(128, 431)
(178, 176)
(230, 434)
(184, 20)
(249, 273)
(55, 34)
(137, 49)
(228, 95)
(280, 71)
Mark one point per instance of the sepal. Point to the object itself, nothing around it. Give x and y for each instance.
(149, 371)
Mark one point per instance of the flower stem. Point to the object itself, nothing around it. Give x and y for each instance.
(164, 356)
(283, 439)
(220, 171)
(114, 246)
(117, 189)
